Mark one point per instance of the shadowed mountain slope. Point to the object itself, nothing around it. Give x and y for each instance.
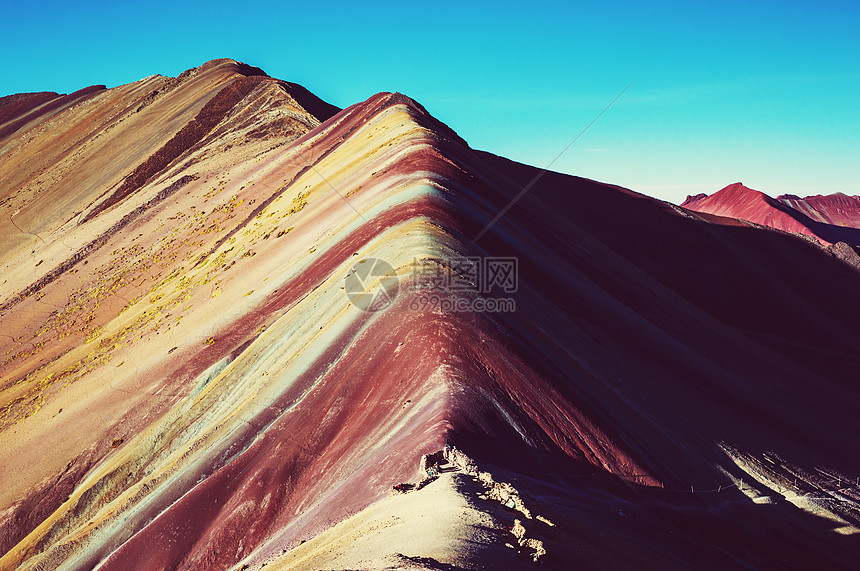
(186, 384)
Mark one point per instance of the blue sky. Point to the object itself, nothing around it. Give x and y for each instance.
(767, 93)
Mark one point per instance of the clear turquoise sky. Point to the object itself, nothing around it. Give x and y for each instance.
(767, 93)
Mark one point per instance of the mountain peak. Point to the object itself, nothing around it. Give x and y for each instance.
(832, 218)
(228, 63)
(243, 327)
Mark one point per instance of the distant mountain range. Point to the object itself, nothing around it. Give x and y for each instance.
(830, 219)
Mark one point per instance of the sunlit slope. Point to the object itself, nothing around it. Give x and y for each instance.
(203, 352)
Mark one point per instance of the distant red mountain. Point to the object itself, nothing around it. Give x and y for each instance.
(838, 209)
(832, 218)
